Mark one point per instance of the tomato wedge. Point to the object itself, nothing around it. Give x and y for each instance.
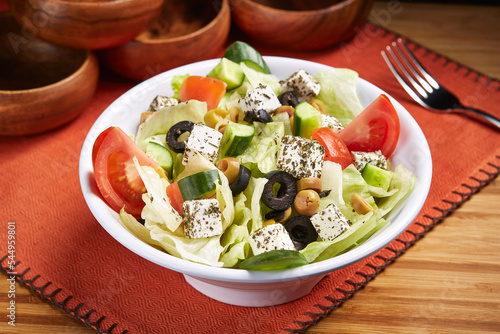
(201, 88)
(335, 149)
(376, 128)
(116, 176)
(175, 197)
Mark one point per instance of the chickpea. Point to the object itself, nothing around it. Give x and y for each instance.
(306, 202)
(230, 167)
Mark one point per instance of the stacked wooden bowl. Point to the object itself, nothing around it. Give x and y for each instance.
(49, 47)
(49, 51)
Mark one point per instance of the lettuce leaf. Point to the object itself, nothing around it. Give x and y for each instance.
(256, 78)
(136, 228)
(161, 121)
(158, 207)
(203, 250)
(177, 81)
(338, 93)
(401, 186)
(260, 156)
(331, 179)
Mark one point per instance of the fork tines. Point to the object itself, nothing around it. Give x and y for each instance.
(408, 71)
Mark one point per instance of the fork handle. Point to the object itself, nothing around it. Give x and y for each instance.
(483, 115)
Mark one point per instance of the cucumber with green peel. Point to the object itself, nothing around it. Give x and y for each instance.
(274, 260)
(376, 176)
(236, 139)
(199, 185)
(229, 72)
(242, 52)
(161, 155)
(306, 119)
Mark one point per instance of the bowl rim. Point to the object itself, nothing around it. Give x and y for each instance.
(237, 275)
(221, 14)
(329, 9)
(90, 58)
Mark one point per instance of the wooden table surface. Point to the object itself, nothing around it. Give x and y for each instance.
(449, 282)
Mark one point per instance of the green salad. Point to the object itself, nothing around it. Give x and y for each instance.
(241, 169)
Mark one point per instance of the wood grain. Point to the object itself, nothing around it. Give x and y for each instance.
(449, 282)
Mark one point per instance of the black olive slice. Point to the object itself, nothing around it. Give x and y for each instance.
(258, 116)
(301, 231)
(276, 215)
(175, 132)
(286, 193)
(241, 182)
(324, 193)
(288, 99)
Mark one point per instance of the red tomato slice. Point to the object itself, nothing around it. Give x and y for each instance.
(335, 149)
(175, 197)
(201, 88)
(116, 176)
(376, 128)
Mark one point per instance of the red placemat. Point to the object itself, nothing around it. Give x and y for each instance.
(63, 253)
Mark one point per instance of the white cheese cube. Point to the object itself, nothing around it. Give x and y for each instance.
(331, 122)
(269, 238)
(262, 97)
(203, 140)
(301, 157)
(202, 218)
(302, 84)
(374, 158)
(162, 101)
(330, 222)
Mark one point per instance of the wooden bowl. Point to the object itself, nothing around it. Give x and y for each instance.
(300, 24)
(42, 86)
(184, 32)
(85, 24)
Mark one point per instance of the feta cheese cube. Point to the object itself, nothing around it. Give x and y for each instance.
(162, 101)
(262, 97)
(375, 158)
(331, 122)
(300, 157)
(330, 222)
(269, 238)
(203, 140)
(202, 218)
(302, 84)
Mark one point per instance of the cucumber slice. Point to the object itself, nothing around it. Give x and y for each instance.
(229, 72)
(236, 139)
(376, 176)
(306, 119)
(242, 52)
(161, 155)
(274, 260)
(198, 185)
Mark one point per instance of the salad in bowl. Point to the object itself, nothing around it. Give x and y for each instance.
(236, 172)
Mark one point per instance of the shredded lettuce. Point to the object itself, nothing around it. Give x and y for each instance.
(260, 156)
(158, 207)
(161, 121)
(256, 78)
(338, 93)
(136, 228)
(331, 179)
(177, 81)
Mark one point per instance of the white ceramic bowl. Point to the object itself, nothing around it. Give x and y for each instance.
(241, 287)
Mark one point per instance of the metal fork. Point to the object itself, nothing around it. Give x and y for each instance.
(427, 91)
